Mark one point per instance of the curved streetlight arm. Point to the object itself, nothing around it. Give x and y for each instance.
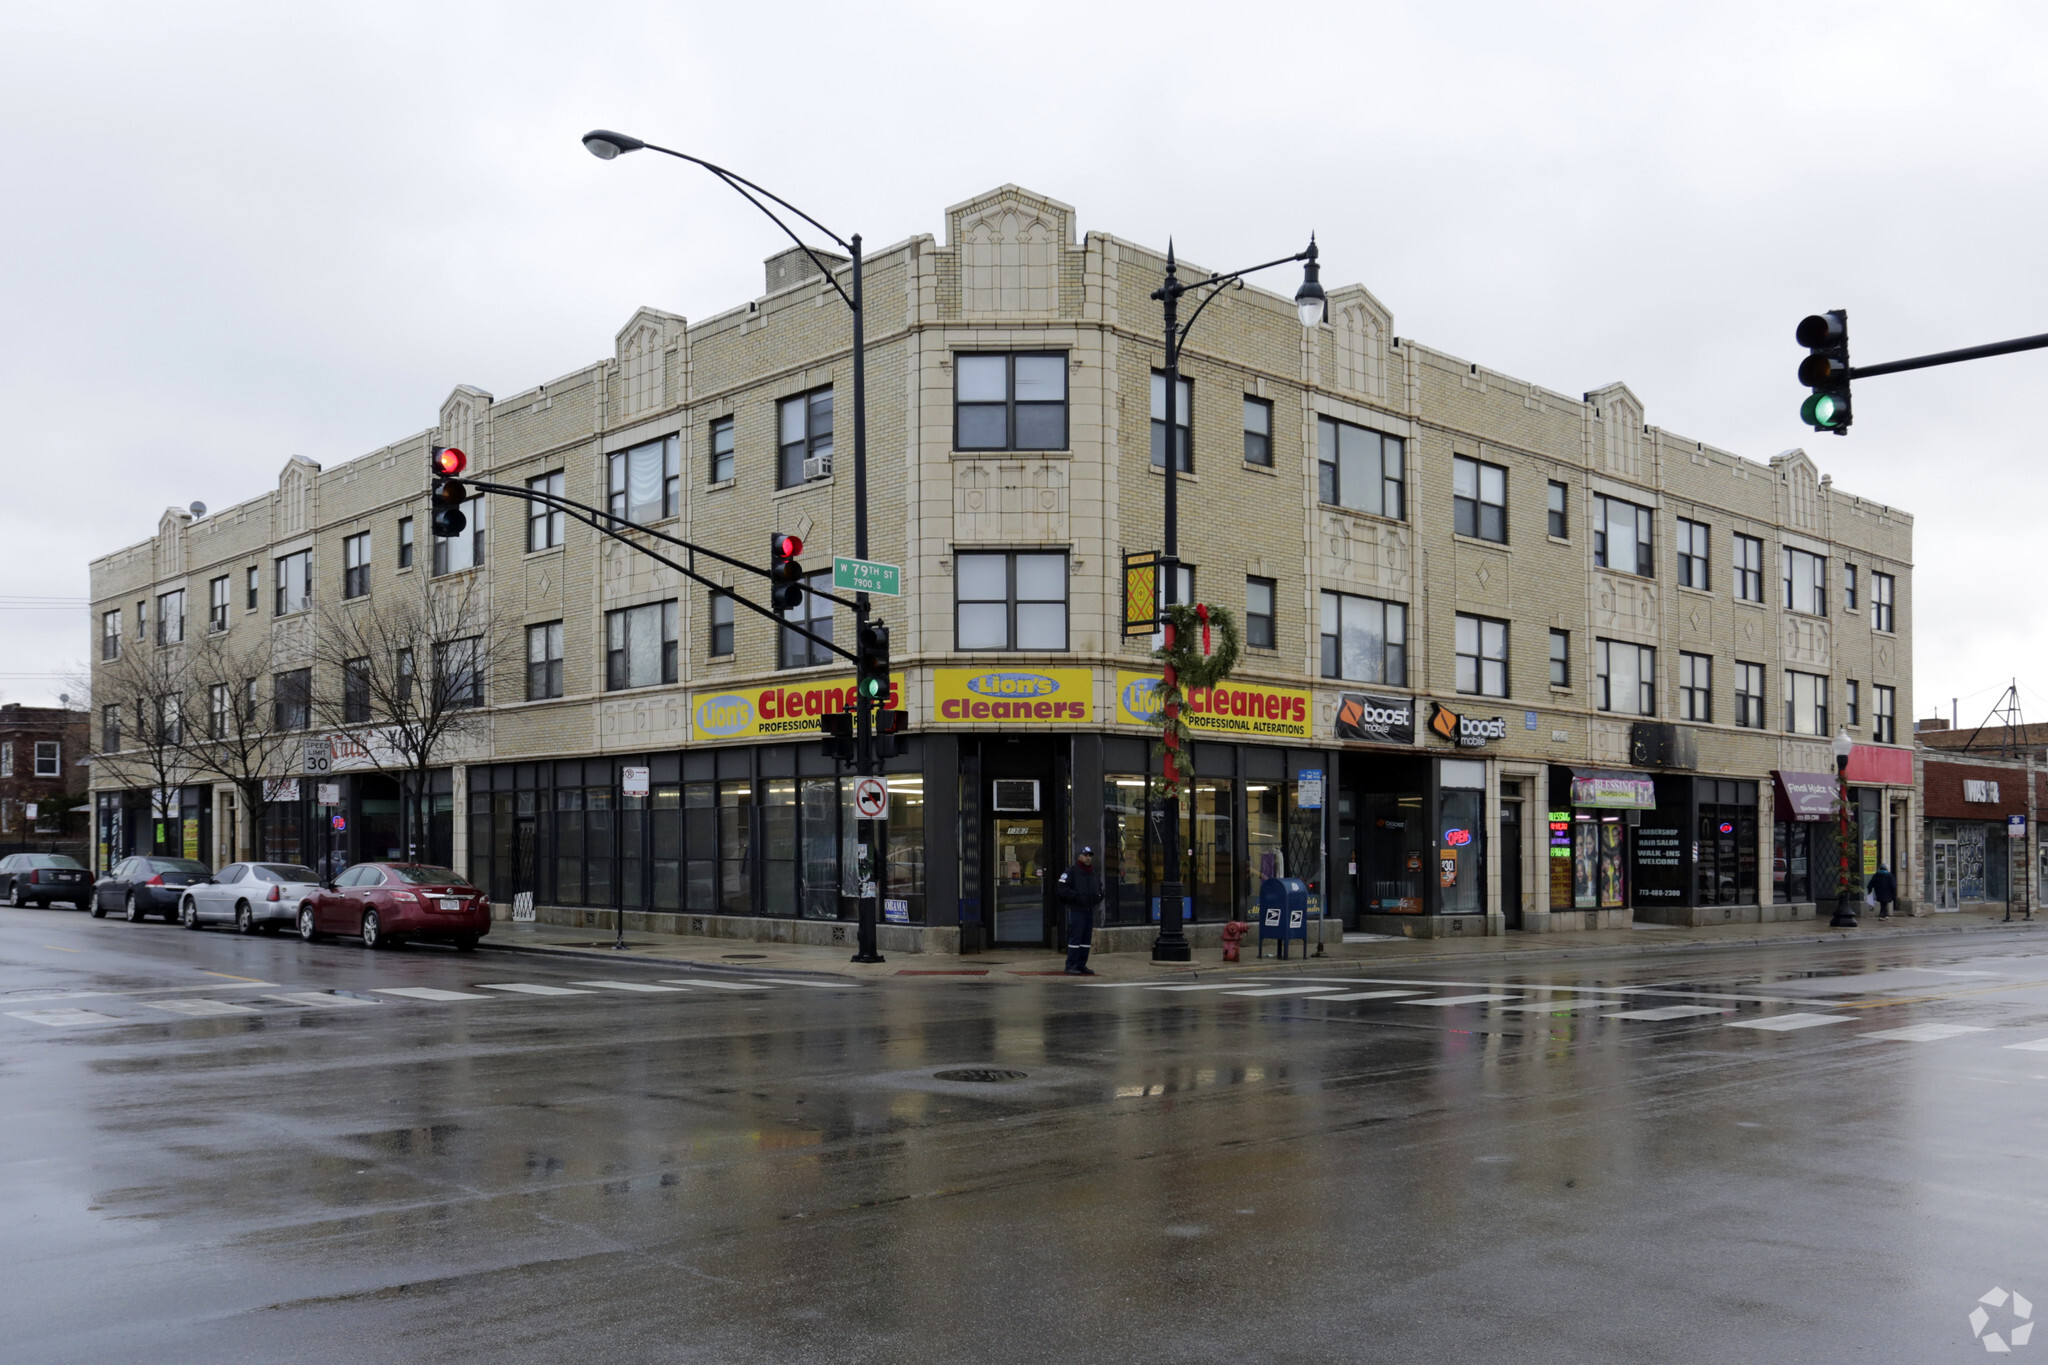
(1214, 284)
(747, 189)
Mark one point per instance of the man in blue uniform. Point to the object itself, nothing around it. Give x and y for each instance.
(1080, 891)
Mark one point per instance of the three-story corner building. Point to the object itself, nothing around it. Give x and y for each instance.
(1512, 660)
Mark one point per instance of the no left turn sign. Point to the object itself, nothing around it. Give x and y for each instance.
(871, 798)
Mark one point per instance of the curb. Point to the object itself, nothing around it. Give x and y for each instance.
(612, 955)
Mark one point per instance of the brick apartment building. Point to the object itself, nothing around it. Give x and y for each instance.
(41, 777)
(1515, 659)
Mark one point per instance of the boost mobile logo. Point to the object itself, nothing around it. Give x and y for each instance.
(1463, 730)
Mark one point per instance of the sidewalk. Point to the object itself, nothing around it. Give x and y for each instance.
(727, 955)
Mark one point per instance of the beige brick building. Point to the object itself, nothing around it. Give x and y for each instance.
(1639, 632)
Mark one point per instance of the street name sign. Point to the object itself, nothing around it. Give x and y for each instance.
(867, 575)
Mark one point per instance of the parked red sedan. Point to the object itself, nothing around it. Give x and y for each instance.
(385, 904)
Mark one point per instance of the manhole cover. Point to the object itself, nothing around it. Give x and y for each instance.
(742, 957)
(983, 1074)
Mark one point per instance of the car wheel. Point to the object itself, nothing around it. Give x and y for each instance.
(306, 934)
(133, 910)
(14, 894)
(466, 944)
(188, 914)
(244, 921)
(372, 936)
(98, 907)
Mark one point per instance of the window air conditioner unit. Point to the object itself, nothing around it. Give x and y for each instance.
(817, 467)
(1016, 794)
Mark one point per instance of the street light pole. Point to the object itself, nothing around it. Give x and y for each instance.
(606, 145)
(1310, 304)
(1845, 909)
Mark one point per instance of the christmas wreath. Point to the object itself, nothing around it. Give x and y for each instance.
(1199, 651)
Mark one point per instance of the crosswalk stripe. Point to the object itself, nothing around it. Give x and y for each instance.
(321, 1000)
(522, 988)
(2036, 1045)
(1667, 1012)
(793, 981)
(714, 985)
(625, 986)
(1784, 1023)
(1285, 990)
(198, 1009)
(1925, 1033)
(1370, 995)
(427, 993)
(62, 1018)
(1558, 1006)
(1217, 986)
(1462, 1000)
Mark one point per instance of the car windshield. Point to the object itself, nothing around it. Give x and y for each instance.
(420, 875)
(197, 869)
(286, 872)
(51, 860)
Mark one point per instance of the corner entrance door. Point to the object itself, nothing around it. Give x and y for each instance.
(1017, 871)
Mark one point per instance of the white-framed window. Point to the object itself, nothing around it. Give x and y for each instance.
(1749, 696)
(721, 616)
(803, 427)
(1748, 568)
(1258, 432)
(645, 482)
(1010, 599)
(640, 646)
(1622, 537)
(1183, 420)
(1696, 688)
(1806, 704)
(1554, 509)
(1010, 401)
(1882, 588)
(1806, 582)
(110, 728)
(49, 759)
(217, 593)
(1258, 612)
(1849, 587)
(1852, 703)
(1482, 656)
(355, 565)
(1694, 538)
(1628, 677)
(454, 554)
(110, 634)
(544, 661)
(170, 617)
(251, 587)
(1560, 658)
(405, 542)
(814, 614)
(723, 446)
(294, 578)
(546, 526)
(1361, 469)
(458, 671)
(1364, 639)
(1479, 499)
(292, 697)
(219, 697)
(1884, 719)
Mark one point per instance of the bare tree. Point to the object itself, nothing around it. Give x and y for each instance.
(142, 719)
(230, 734)
(407, 671)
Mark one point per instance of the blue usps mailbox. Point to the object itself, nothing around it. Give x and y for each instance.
(1283, 912)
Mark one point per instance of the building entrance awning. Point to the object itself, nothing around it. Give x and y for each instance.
(1805, 796)
(1608, 789)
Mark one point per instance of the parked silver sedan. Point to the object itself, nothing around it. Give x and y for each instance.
(250, 896)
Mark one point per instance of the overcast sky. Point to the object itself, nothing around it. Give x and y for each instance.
(237, 232)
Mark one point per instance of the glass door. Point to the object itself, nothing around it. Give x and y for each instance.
(1943, 871)
(1017, 871)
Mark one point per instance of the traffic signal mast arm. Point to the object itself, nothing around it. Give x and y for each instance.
(589, 516)
(1922, 362)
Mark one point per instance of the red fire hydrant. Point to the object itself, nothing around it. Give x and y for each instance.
(1234, 931)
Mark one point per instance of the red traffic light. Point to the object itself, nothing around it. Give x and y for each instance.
(788, 547)
(449, 460)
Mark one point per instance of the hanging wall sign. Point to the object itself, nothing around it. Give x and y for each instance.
(1380, 720)
(1465, 731)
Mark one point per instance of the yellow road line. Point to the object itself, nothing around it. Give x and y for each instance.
(55, 949)
(232, 977)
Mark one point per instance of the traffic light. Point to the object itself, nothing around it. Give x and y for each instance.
(838, 728)
(891, 737)
(449, 492)
(1826, 371)
(785, 575)
(872, 670)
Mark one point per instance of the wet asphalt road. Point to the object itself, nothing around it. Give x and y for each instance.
(257, 1151)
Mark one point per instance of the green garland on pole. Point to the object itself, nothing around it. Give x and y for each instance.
(1188, 668)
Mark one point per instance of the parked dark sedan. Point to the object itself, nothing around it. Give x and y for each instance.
(385, 904)
(42, 878)
(146, 886)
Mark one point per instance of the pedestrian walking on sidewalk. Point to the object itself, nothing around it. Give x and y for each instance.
(1080, 891)
(1884, 889)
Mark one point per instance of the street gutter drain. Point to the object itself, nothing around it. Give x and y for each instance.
(983, 1074)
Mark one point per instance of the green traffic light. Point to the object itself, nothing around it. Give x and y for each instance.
(872, 688)
(1821, 411)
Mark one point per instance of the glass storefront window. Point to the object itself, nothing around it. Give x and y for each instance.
(1725, 867)
(1264, 851)
(1125, 866)
(569, 845)
(597, 846)
(821, 847)
(667, 844)
(779, 847)
(906, 844)
(1599, 861)
(736, 847)
(700, 845)
(1461, 852)
(1393, 854)
(1209, 827)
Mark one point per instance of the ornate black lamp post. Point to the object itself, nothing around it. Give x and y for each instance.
(1172, 943)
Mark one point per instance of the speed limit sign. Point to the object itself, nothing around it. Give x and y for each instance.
(871, 798)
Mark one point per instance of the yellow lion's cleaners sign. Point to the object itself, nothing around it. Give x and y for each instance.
(1016, 696)
(776, 709)
(1235, 708)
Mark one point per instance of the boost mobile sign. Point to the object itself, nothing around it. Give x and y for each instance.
(1464, 731)
(1383, 720)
